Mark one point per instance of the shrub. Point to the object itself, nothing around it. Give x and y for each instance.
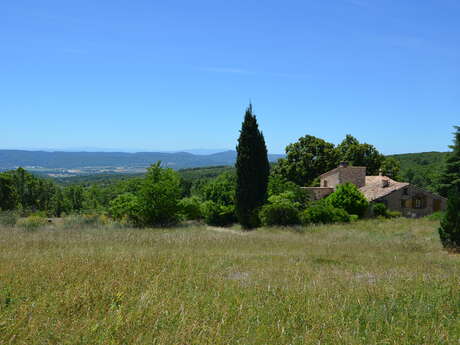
(126, 208)
(32, 223)
(449, 232)
(84, 221)
(280, 213)
(218, 215)
(436, 216)
(379, 209)
(190, 208)
(348, 197)
(394, 214)
(8, 218)
(324, 213)
(221, 189)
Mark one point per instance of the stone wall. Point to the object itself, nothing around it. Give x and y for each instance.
(404, 201)
(318, 193)
(340, 175)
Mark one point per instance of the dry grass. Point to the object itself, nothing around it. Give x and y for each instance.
(372, 282)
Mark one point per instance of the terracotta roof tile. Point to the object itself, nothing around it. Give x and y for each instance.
(374, 187)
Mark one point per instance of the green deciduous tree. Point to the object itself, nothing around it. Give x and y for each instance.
(348, 197)
(450, 178)
(306, 159)
(391, 168)
(252, 171)
(159, 196)
(360, 154)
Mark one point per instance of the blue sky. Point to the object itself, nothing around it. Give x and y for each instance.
(170, 75)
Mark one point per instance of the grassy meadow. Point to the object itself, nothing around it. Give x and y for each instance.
(370, 282)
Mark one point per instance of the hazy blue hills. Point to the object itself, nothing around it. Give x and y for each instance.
(111, 161)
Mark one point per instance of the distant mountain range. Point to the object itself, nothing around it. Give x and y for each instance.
(92, 162)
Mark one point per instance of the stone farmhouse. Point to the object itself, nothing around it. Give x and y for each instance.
(408, 199)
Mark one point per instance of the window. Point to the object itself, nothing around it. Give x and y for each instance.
(406, 203)
(405, 191)
(325, 183)
(419, 202)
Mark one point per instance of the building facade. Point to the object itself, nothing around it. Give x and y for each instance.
(408, 199)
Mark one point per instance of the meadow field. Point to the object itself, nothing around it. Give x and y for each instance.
(369, 282)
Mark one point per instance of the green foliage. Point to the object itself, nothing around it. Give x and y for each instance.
(8, 194)
(159, 197)
(252, 171)
(31, 223)
(450, 178)
(394, 214)
(190, 208)
(391, 167)
(83, 221)
(8, 218)
(278, 185)
(126, 207)
(360, 154)
(449, 231)
(218, 214)
(422, 169)
(438, 216)
(323, 212)
(280, 211)
(306, 159)
(220, 190)
(379, 209)
(348, 197)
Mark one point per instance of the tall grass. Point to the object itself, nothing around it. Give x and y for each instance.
(370, 282)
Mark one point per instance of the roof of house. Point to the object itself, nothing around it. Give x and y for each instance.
(374, 188)
(341, 167)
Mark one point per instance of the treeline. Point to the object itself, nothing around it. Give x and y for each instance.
(163, 196)
(423, 169)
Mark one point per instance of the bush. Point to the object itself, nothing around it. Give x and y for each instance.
(32, 223)
(220, 190)
(85, 221)
(8, 218)
(324, 213)
(282, 213)
(190, 208)
(379, 210)
(126, 208)
(218, 215)
(394, 214)
(348, 197)
(436, 216)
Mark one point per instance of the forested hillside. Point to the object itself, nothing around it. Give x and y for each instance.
(422, 169)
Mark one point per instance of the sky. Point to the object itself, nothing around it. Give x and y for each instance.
(172, 75)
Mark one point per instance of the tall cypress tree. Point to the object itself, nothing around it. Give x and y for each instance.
(252, 171)
(450, 179)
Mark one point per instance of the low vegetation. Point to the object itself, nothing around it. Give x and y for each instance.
(92, 282)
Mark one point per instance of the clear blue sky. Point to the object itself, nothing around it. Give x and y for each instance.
(169, 75)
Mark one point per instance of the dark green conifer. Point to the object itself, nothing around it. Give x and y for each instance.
(252, 171)
(449, 232)
(450, 179)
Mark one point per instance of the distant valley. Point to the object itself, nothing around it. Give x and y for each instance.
(66, 164)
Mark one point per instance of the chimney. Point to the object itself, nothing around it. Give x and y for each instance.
(380, 172)
(343, 164)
